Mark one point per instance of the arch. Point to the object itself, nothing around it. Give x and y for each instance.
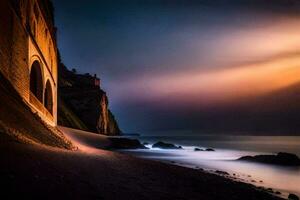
(36, 80)
(48, 97)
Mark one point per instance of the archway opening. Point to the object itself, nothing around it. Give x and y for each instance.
(48, 99)
(36, 81)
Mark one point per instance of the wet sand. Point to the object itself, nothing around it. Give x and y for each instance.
(41, 172)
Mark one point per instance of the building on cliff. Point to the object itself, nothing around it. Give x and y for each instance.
(28, 54)
(30, 61)
(83, 104)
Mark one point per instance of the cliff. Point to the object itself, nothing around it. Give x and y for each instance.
(82, 104)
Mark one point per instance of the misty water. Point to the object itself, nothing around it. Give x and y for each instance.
(227, 150)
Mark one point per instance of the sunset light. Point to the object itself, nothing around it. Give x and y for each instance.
(218, 86)
(150, 99)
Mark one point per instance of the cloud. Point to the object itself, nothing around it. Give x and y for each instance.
(181, 54)
(213, 87)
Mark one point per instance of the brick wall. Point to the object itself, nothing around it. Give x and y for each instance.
(19, 46)
(14, 50)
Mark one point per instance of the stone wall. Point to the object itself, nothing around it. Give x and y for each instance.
(14, 50)
(26, 36)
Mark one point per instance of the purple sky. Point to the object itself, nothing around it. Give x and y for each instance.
(179, 65)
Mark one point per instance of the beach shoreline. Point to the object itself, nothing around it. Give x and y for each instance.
(226, 163)
(36, 171)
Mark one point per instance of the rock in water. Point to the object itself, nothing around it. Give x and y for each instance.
(285, 159)
(222, 172)
(293, 197)
(125, 143)
(209, 149)
(163, 145)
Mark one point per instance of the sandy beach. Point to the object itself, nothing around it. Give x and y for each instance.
(164, 99)
(42, 172)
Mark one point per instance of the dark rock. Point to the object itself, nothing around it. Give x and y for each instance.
(198, 149)
(126, 143)
(163, 145)
(221, 172)
(145, 143)
(209, 149)
(277, 192)
(270, 190)
(293, 197)
(285, 159)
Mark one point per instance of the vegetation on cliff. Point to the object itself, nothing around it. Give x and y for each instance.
(83, 104)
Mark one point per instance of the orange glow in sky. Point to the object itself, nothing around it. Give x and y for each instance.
(220, 86)
(246, 62)
(235, 82)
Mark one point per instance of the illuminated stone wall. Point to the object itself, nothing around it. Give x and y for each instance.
(27, 35)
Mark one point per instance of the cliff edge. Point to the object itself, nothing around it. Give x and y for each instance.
(83, 105)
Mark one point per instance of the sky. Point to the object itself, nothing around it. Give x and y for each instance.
(186, 65)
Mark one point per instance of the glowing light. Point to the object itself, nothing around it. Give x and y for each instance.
(219, 86)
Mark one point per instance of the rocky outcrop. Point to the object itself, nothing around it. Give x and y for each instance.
(106, 121)
(163, 145)
(125, 143)
(285, 159)
(199, 149)
(222, 173)
(293, 197)
(83, 104)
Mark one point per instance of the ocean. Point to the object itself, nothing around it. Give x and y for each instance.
(227, 150)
